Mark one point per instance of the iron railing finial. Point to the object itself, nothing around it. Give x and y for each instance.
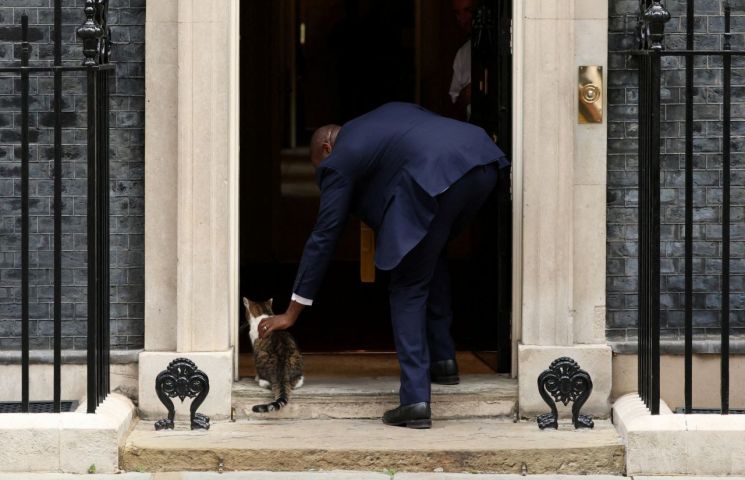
(90, 32)
(653, 23)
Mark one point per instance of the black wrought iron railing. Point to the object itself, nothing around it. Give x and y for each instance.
(95, 35)
(652, 19)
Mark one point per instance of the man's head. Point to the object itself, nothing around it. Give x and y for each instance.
(322, 143)
(463, 10)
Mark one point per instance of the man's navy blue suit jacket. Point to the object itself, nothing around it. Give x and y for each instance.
(387, 167)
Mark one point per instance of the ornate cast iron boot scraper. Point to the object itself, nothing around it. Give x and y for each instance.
(565, 382)
(182, 379)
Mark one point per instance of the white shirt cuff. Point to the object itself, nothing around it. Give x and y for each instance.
(301, 300)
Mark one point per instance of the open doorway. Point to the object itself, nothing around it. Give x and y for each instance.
(306, 63)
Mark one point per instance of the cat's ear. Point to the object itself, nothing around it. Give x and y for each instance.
(246, 302)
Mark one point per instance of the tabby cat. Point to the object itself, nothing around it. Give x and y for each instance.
(279, 364)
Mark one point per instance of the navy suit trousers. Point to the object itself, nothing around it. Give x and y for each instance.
(420, 285)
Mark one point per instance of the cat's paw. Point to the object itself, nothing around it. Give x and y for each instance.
(299, 383)
(264, 383)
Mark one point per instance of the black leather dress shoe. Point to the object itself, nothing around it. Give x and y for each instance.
(414, 415)
(444, 372)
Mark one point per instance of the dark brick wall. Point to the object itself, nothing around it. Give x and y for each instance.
(127, 19)
(622, 174)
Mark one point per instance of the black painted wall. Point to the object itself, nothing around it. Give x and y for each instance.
(127, 19)
(622, 174)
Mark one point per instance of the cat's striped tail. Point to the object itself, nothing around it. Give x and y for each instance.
(280, 392)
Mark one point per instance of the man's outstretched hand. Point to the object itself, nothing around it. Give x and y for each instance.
(280, 322)
(277, 322)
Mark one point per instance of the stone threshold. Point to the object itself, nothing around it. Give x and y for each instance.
(679, 444)
(336, 475)
(471, 445)
(477, 396)
(333, 475)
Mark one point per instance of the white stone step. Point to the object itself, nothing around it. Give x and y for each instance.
(477, 396)
(472, 445)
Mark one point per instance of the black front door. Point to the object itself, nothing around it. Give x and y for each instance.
(310, 62)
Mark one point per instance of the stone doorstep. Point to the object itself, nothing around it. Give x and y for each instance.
(334, 475)
(471, 445)
(477, 396)
(66, 442)
(679, 444)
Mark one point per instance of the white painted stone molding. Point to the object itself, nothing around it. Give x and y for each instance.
(679, 444)
(66, 442)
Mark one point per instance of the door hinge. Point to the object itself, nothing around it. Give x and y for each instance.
(510, 184)
(511, 53)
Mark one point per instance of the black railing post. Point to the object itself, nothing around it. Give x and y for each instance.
(649, 205)
(104, 229)
(643, 226)
(25, 346)
(726, 174)
(688, 307)
(653, 17)
(654, 167)
(658, 16)
(93, 246)
(91, 33)
(57, 207)
(103, 197)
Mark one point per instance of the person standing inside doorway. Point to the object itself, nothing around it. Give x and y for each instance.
(460, 84)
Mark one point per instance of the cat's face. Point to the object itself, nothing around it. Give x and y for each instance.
(255, 312)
